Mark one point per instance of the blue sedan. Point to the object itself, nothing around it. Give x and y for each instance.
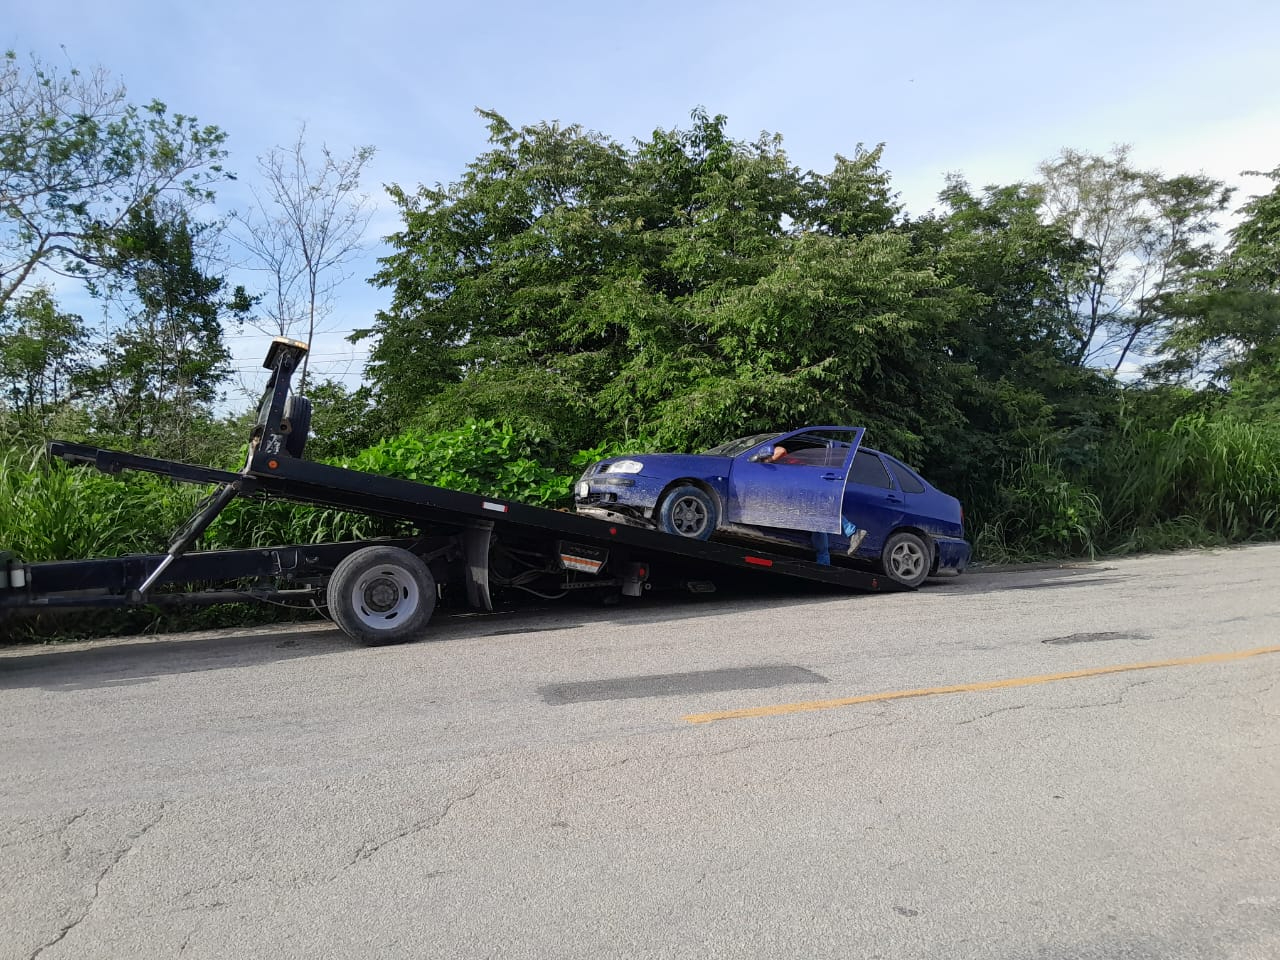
(746, 488)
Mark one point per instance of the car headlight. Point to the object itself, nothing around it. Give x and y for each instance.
(582, 489)
(626, 466)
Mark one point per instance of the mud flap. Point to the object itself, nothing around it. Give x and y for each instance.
(636, 579)
(475, 548)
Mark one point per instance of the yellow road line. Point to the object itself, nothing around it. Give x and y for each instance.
(782, 709)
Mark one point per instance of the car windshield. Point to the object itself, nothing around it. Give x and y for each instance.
(741, 445)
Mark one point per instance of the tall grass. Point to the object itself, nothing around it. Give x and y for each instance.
(51, 511)
(1203, 481)
(259, 523)
(1222, 473)
(1041, 512)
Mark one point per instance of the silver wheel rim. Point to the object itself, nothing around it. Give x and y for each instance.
(689, 516)
(384, 597)
(906, 560)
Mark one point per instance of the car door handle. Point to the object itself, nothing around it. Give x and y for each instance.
(831, 476)
(893, 498)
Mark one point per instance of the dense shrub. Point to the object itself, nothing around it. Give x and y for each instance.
(1041, 513)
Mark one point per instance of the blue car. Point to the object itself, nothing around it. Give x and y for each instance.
(821, 477)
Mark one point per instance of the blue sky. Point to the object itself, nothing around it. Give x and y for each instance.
(986, 89)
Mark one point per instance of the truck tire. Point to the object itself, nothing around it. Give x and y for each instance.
(688, 512)
(381, 595)
(297, 413)
(907, 558)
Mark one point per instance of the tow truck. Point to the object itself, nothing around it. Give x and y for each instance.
(461, 547)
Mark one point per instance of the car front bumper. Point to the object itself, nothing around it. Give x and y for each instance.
(630, 493)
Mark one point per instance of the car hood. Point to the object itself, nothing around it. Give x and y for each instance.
(668, 464)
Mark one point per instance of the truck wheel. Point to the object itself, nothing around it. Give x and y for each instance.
(381, 595)
(688, 512)
(906, 558)
(297, 411)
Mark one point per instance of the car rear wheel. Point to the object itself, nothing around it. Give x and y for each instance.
(688, 512)
(906, 558)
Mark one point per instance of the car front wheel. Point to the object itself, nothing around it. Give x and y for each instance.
(687, 512)
(906, 558)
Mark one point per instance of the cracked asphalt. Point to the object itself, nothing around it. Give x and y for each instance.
(281, 793)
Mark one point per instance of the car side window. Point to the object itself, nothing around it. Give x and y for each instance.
(867, 469)
(907, 480)
(814, 456)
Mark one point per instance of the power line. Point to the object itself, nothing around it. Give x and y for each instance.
(337, 353)
(265, 336)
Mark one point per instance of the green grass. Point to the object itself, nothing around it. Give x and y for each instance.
(51, 511)
(1203, 482)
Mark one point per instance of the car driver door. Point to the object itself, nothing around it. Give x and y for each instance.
(804, 492)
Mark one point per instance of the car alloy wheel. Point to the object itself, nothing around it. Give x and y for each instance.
(689, 516)
(689, 512)
(907, 558)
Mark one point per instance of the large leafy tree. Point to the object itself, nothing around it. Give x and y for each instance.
(1011, 341)
(1011, 266)
(490, 275)
(688, 287)
(76, 159)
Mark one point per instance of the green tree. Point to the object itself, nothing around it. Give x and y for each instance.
(1177, 246)
(76, 159)
(855, 199)
(344, 421)
(1228, 324)
(1011, 342)
(691, 286)
(490, 276)
(162, 369)
(43, 352)
(1145, 235)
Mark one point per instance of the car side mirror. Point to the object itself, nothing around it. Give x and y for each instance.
(758, 457)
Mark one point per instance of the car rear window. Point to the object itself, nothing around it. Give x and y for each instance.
(907, 480)
(868, 469)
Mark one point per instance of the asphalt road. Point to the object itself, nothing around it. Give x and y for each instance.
(567, 784)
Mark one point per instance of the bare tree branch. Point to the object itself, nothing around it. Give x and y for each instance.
(302, 228)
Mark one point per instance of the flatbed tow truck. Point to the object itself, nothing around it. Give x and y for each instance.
(463, 545)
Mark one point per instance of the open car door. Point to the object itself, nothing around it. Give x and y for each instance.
(805, 491)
